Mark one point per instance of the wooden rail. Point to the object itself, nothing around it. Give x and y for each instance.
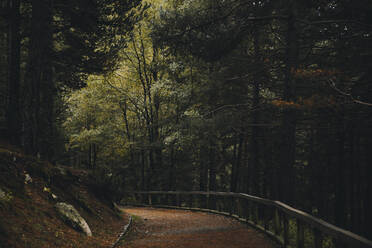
(288, 226)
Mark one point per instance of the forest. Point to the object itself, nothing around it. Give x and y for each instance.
(270, 98)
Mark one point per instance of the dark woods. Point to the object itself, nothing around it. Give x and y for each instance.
(271, 98)
(290, 99)
(47, 47)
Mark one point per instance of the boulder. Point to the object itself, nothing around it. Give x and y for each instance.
(28, 178)
(53, 196)
(72, 217)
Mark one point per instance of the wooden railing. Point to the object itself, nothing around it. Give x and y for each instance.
(288, 226)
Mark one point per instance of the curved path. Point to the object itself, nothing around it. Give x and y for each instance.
(158, 228)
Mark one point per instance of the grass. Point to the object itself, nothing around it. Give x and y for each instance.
(137, 219)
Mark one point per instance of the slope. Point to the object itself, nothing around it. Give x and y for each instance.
(29, 190)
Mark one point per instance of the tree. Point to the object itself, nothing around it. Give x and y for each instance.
(248, 96)
(66, 42)
(14, 43)
(304, 45)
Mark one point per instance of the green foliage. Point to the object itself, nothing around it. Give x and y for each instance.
(5, 197)
(245, 96)
(91, 33)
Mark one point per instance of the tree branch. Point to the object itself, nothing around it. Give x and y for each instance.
(343, 93)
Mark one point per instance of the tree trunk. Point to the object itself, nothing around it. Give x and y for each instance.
(340, 203)
(143, 171)
(367, 194)
(255, 151)
(172, 173)
(212, 168)
(14, 41)
(39, 81)
(248, 174)
(287, 148)
(203, 170)
(234, 174)
(89, 158)
(236, 164)
(94, 155)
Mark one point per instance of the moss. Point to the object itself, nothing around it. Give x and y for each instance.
(137, 219)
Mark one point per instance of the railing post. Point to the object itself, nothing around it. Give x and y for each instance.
(173, 199)
(266, 213)
(250, 210)
(178, 202)
(149, 199)
(201, 201)
(154, 199)
(212, 202)
(246, 209)
(239, 207)
(276, 222)
(164, 199)
(190, 200)
(286, 231)
(255, 213)
(318, 239)
(300, 234)
(231, 205)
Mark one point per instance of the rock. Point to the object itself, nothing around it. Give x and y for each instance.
(72, 217)
(54, 197)
(50, 194)
(28, 179)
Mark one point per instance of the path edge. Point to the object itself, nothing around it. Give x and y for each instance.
(278, 241)
(124, 232)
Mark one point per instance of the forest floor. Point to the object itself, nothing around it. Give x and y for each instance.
(28, 218)
(160, 228)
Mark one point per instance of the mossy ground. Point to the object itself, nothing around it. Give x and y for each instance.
(29, 218)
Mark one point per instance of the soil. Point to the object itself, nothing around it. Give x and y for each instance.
(159, 228)
(28, 218)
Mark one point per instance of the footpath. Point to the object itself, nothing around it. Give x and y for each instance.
(160, 228)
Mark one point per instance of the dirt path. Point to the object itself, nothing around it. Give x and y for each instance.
(159, 228)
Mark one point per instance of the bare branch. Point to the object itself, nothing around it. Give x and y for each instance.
(227, 106)
(343, 93)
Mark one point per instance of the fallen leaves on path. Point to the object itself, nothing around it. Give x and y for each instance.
(160, 228)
